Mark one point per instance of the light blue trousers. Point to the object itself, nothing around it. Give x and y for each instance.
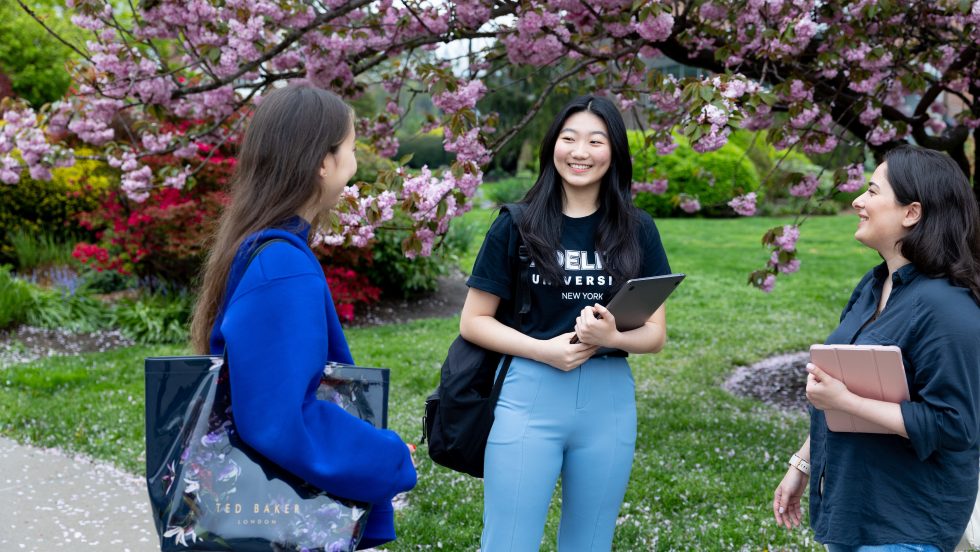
(580, 425)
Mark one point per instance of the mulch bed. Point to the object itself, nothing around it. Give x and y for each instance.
(778, 381)
(25, 344)
(446, 301)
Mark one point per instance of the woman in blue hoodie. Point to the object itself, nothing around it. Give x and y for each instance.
(274, 316)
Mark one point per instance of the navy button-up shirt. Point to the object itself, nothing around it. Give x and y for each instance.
(885, 489)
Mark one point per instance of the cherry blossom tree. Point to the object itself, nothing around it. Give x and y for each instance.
(814, 74)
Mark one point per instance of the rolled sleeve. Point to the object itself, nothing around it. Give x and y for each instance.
(947, 374)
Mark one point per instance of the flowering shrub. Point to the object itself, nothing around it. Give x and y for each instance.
(39, 207)
(349, 289)
(163, 237)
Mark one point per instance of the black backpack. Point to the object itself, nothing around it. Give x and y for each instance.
(459, 414)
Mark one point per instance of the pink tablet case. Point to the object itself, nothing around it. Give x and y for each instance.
(871, 371)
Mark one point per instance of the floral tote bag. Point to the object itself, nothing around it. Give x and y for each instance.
(210, 491)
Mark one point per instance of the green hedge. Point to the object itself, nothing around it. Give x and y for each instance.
(713, 178)
(509, 189)
(426, 149)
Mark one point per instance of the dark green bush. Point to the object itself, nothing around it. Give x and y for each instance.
(426, 149)
(154, 318)
(15, 299)
(400, 277)
(507, 190)
(713, 178)
(106, 281)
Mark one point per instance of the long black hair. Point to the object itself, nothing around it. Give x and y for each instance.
(617, 237)
(946, 240)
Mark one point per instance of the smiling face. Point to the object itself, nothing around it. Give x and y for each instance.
(883, 221)
(582, 152)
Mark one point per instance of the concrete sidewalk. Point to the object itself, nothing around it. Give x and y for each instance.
(53, 501)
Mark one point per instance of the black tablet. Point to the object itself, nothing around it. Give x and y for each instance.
(636, 301)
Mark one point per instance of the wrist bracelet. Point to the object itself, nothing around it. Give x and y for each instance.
(800, 464)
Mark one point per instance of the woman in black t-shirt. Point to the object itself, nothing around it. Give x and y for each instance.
(565, 409)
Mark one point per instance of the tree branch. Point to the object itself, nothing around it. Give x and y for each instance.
(51, 32)
(287, 41)
(535, 107)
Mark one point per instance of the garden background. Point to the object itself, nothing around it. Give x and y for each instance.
(93, 279)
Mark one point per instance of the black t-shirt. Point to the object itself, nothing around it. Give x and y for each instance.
(554, 308)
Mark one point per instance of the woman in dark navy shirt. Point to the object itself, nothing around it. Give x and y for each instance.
(913, 489)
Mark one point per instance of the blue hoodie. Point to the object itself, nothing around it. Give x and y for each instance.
(280, 328)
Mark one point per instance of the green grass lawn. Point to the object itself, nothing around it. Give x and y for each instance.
(706, 462)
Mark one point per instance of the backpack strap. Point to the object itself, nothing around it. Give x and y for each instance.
(522, 295)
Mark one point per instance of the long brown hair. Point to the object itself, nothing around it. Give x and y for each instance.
(277, 175)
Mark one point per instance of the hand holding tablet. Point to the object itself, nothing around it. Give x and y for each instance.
(638, 299)
(870, 371)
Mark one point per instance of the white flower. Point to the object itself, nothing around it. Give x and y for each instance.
(181, 535)
(192, 486)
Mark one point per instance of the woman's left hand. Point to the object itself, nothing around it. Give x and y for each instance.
(824, 391)
(596, 331)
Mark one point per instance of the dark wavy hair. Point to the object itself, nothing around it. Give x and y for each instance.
(946, 240)
(618, 234)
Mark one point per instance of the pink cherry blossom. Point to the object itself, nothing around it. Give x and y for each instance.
(200, 66)
(855, 179)
(690, 205)
(712, 140)
(658, 187)
(768, 284)
(806, 187)
(787, 240)
(666, 145)
(656, 29)
(793, 265)
(465, 97)
(744, 204)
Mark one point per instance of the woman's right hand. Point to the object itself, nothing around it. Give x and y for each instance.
(786, 500)
(560, 353)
